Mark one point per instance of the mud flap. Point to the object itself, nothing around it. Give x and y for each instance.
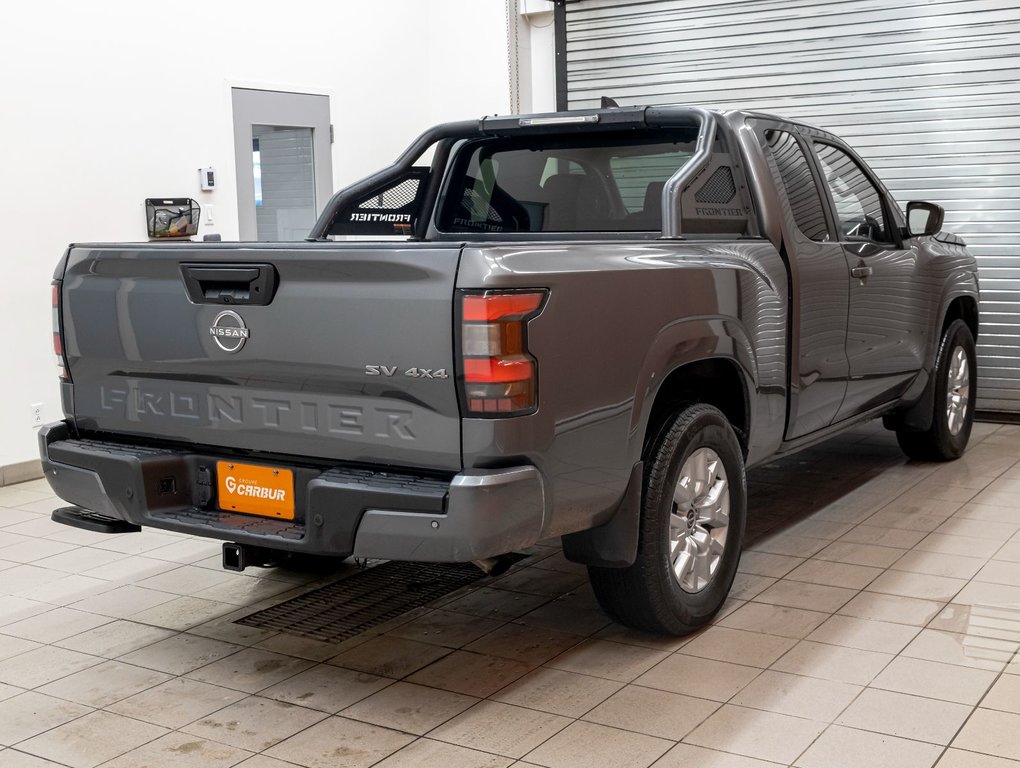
(918, 417)
(614, 543)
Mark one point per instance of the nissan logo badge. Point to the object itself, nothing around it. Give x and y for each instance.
(229, 331)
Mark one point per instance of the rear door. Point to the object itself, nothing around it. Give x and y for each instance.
(349, 358)
(888, 323)
(818, 364)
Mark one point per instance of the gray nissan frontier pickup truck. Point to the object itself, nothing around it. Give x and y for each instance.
(583, 325)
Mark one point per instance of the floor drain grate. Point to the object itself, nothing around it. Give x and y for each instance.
(364, 600)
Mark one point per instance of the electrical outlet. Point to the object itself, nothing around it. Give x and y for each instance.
(37, 414)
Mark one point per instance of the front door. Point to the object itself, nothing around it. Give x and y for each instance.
(886, 331)
(284, 168)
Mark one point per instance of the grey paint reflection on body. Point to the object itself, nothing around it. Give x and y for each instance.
(814, 348)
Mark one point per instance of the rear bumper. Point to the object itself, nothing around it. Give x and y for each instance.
(338, 511)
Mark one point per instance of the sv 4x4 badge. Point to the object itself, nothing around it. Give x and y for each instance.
(412, 373)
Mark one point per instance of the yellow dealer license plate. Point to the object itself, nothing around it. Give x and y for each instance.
(265, 491)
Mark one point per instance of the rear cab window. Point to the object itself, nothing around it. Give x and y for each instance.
(600, 182)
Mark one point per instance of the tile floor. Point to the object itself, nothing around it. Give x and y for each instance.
(874, 622)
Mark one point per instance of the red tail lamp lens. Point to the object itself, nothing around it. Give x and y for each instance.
(499, 376)
(500, 306)
(498, 369)
(58, 338)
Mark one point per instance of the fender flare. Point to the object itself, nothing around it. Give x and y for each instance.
(918, 415)
(614, 543)
(683, 343)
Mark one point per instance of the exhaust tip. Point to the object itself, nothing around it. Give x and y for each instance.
(496, 566)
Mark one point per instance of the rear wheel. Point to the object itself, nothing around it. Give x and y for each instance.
(955, 380)
(692, 523)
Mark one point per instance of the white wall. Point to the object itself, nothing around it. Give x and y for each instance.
(108, 103)
(539, 45)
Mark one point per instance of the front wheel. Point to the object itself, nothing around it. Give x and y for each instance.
(693, 510)
(955, 381)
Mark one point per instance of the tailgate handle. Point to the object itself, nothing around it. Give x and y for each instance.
(253, 284)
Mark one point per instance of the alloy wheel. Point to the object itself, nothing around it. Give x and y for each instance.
(699, 520)
(957, 391)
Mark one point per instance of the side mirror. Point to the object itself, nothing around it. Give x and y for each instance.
(924, 218)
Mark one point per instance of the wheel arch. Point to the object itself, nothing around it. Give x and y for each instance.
(961, 307)
(716, 381)
(956, 305)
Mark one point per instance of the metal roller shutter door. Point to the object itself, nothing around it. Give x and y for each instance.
(927, 92)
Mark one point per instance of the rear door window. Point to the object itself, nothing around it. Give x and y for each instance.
(801, 189)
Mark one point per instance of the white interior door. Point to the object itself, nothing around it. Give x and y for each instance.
(284, 168)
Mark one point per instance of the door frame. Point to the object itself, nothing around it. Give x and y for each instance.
(266, 109)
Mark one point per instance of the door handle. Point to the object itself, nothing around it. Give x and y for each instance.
(861, 271)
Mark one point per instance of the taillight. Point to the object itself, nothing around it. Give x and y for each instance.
(58, 339)
(499, 377)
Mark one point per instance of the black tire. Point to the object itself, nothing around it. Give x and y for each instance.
(940, 442)
(648, 595)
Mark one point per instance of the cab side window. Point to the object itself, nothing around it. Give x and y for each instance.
(860, 215)
(802, 192)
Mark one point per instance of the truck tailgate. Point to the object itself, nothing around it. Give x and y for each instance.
(351, 359)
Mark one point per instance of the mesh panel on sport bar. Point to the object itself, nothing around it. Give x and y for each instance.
(395, 197)
(719, 188)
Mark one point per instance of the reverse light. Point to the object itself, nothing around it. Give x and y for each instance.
(58, 337)
(499, 377)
